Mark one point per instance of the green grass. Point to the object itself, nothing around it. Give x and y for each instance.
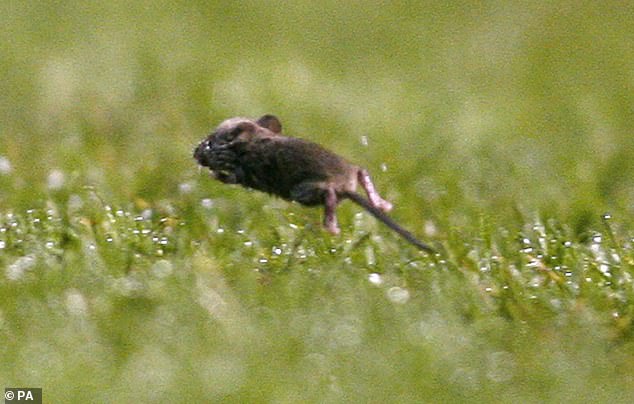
(502, 132)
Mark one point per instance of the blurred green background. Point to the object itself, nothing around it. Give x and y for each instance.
(484, 123)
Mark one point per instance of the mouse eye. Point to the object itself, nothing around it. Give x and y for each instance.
(235, 132)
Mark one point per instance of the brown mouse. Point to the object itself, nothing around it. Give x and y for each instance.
(255, 154)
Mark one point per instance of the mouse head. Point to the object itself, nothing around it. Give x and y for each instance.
(232, 128)
(237, 130)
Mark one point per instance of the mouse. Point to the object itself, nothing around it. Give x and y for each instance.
(255, 154)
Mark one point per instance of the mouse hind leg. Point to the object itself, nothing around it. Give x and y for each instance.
(330, 215)
(317, 193)
(373, 196)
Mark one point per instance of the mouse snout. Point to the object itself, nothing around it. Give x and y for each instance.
(201, 151)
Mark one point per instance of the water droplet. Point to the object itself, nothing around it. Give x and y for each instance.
(597, 239)
(248, 243)
(220, 230)
(50, 244)
(532, 264)
(5, 166)
(607, 216)
(109, 239)
(17, 269)
(55, 180)
(375, 279)
(605, 269)
(430, 229)
(185, 187)
(398, 295)
(567, 244)
(277, 251)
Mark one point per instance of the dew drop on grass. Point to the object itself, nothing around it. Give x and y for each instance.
(185, 187)
(55, 180)
(277, 250)
(375, 279)
(605, 270)
(18, 268)
(607, 216)
(207, 203)
(398, 295)
(5, 166)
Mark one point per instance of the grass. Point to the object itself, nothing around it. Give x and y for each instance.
(502, 133)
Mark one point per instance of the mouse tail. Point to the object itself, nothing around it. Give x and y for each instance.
(380, 215)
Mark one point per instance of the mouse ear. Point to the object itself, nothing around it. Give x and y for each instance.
(271, 123)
